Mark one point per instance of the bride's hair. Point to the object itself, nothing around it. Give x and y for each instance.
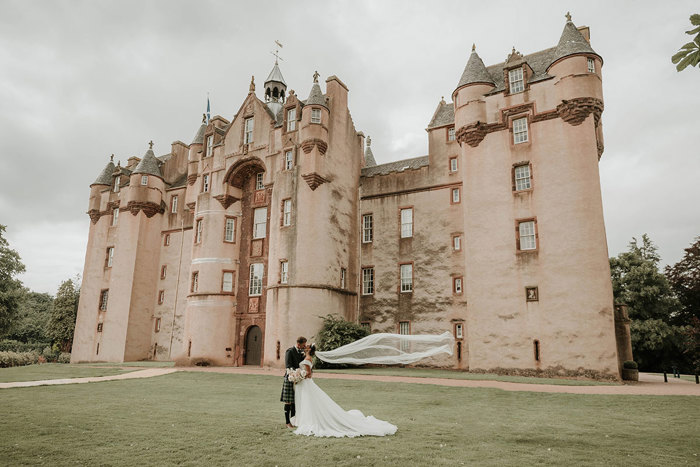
(312, 350)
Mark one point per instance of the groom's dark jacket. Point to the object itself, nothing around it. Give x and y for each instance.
(293, 357)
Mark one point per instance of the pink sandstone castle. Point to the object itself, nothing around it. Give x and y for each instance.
(226, 249)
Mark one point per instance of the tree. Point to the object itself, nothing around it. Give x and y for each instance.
(337, 332)
(11, 289)
(65, 309)
(32, 318)
(689, 54)
(684, 277)
(637, 282)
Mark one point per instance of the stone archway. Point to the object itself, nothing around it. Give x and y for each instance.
(237, 174)
(253, 346)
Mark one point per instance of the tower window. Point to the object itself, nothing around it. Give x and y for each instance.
(459, 331)
(198, 231)
(288, 160)
(117, 180)
(110, 257)
(526, 233)
(522, 177)
(163, 271)
(291, 119)
(515, 79)
(259, 223)
(536, 345)
(520, 130)
(259, 185)
(453, 164)
(248, 131)
(591, 65)
(287, 212)
(343, 274)
(173, 204)
(115, 216)
(144, 179)
(194, 286)
(367, 230)
(230, 230)
(205, 183)
(407, 223)
(104, 296)
(157, 326)
(256, 277)
(99, 329)
(457, 285)
(161, 297)
(457, 243)
(406, 278)
(284, 272)
(166, 240)
(367, 281)
(210, 145)
(451, 133)
(227, 281)
(455, 195)
(315, 115)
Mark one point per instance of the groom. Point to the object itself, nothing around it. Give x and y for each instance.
(292, 359)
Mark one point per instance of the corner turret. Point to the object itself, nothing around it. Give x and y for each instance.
(369, 157)
(475, 82)
(105, 177)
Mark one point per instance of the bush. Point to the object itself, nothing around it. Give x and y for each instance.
(9, 345)
(8, 359)
(335, 333)
(629, 365)
(64, 357)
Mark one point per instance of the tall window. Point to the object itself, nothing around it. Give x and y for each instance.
(405, 329)
(194, 286)
(367, 281)
(110, 256)
(157, 326)
(457, 243)
(259, 185)
(453, 164)
(259, 222)
(161, 297)
(522, 177)
(367, 226)
(144, 179)
(407, 223)
(315, 115)
(205, 183)
(227, 281)
(210, 145)
(173, 204)
(451, 134)
(291, 119)
(256, 277)
(104, 296)
(248, 134)
(115, 216)
(406, 278)
(230, 230)
(457, 285)
(343, 274)
(455, 195)
(288, 160)
(198, 232)
(117, 181)
(163, 271)
(284, 272)
(287, 212)
(526, 231)
(515, 78)
(520, 130)
(591, 65)
(166, 240)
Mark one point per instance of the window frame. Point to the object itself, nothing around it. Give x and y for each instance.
(156, 327)
(518, 80)
(343, 278)
(161, 296)
(144, 180)
(288, 159)
(291, 119)
(210, 146)
(455, 289)
(457, 242)
(535, 234)
(248, 132)
(223, 281)
(259, 181)
(166, 239)
(459, 330)
(518, 133)
(456, 190)
(198, 229)
(368, 286)
(590, 64)
(255, 224)
(206, 183)
(163, 271)
(173, 204)
(103, 302)
(115, 217)
(109, 259)
(194, 282)
(232, 219)
(117, 183)
(401, 277)
(284, 272)
(402, 223)
(366, 229)
(251, 284)
(286, 214)
(316, 116)
(453, 164)
(517, 166)
(451, 134)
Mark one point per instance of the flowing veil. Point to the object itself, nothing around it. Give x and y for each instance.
(389, 349)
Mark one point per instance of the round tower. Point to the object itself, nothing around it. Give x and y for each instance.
(475, 82)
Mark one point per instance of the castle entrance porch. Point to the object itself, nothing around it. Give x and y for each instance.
(253, 346)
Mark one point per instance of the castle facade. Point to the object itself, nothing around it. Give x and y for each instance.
(226, 249)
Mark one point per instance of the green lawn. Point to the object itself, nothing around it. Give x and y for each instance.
(222, 419)
(452, 374)
(54, 371)
(145, 363)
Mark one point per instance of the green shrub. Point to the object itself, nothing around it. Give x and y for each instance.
(8, 359)
(49, 354)
(64, 357)
(629, 365)
(335, 333)
(9, 345)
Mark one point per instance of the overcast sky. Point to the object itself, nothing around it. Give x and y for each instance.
(80, 80)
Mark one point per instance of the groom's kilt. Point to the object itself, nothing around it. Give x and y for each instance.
(287, 392)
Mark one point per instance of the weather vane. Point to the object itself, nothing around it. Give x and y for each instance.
(276, 53)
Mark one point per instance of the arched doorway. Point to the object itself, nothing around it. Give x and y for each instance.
(253, 346)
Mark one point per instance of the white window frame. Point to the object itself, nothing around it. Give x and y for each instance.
(407, 223)
(257, 270)
(457, 284)
(459, 331)
(457, 243)
(367, 228)
(591, 65)
(284, 272)
(406, 278)
(520, 130)
(205, 183)
(248, 127)
(110, 256)
(288, 159)
(527, 235)
(117, 180)
(291, 119)
(230, 230)
(259, 183)
(210, 145)
(227, 281)
(315, 115)
(173, 204)
(287, 212)
(144, 180)
(343, 275)
(453, 164)
(455, 195)
(522, 177)
(367, 281)
(115, 216)
(405, 330)
(199, 226)
(259, 223)
(516, 80)
(451, 134)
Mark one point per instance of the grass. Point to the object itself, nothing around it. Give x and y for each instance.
(53, 371)
(223, 419)
(145, 363)
(451, 374)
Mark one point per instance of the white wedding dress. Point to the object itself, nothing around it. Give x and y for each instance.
(318, 415)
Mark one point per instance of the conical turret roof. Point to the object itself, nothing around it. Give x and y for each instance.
(316, 96)
(149, 164)
(475, 71)
(276, 75)
(571, 42)
(105, 177)
(369, 157)
(199, 137)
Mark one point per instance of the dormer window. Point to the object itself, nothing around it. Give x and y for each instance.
(210, 145)
(315, 115)
(515, 79)
(144, 179)
(591, 65)
(248, 134)
(116, 184)
(451, 134)
(291, 119)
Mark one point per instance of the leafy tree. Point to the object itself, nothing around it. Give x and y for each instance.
(32, 319)
(689, 54)
(637, 282)
(684, 277)
(65, 309)
(11, 289)
(337, 332)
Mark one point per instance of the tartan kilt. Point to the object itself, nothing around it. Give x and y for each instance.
(287, 392)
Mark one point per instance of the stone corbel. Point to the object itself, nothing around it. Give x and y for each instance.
(575, 111)
(314, 180)
(309, 144)
(149, 209)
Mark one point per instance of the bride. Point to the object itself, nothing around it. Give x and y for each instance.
(318, 415)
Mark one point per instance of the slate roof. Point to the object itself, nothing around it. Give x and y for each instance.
(398, 166)
(444, 115)
(275, 75)
(316, 96)
(199, 137)
(571, 42)
(475, 72)
(105, 177)
(369, 158)
(180, 182)
(148, 165)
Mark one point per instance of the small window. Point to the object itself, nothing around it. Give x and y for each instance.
(343, 274)
(157, 326)
(457, 285)
(288, 160)
(161, 297)
(163, 271)
(227, 281)
(406, 278)
(256, 277)
(284, 272)
(407, 223)
(291, 119)
(520, 130)
(526, 232)
(367, 224)
(287, 212)
(459, 331)
(259, 185)
(115, 216)
(248, 131)
(99, 329)
(173, 204)
(367, 281)
(259, 223)
(110, 257)
(591, 65)
(198, 231)
(536, 345)
(457, 243)
(104, 296)
(451, 134)
(205, 183)
(230, 230)
(194, 286)
(117, 181)
(210, 145)
(453, 164)
(455, 195)
(144, 179)
(315, 115)
(515, 78)
(522, 177)
(532, 294)
(166, 240)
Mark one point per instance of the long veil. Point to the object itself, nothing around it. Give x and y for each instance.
(389, 349)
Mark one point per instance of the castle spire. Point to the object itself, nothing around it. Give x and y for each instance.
(571, 42)
(475, 71)
(275, 86)
(316, 96)
(369, 157)
(105, 177)
(149, 164)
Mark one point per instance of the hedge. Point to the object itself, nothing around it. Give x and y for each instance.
(8, 359)
(9, 345)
